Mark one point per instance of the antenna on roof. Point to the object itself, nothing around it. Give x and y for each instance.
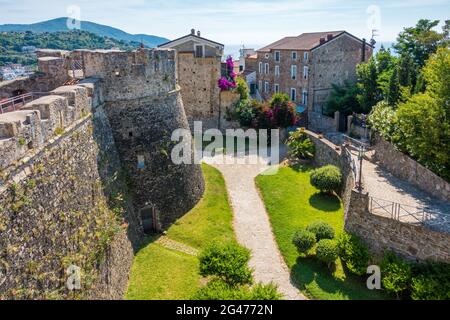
(373, 42)
(142, 43)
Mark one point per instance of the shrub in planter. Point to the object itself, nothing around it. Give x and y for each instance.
(396, 274)
(354, 253)
(327, 179)
(227, 262)
(431, 281)
(300, 145)
(327, 251)
(304, 241)
(321, 230)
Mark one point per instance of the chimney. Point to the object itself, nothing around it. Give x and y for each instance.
(322, 40)
(329, 36)
(193, 32)
(363, 55)
(199, 33)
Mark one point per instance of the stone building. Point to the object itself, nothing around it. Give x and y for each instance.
(199, 69)
(306, 66)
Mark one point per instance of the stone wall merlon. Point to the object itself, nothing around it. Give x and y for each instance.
(38, 121)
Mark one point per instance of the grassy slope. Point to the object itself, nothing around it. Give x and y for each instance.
(293, 203)
(159, 273)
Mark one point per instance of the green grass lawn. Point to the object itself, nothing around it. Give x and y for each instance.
(292, 203)
(159, 273)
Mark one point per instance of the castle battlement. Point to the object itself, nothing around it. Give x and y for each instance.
(42, 119)
(109, 76)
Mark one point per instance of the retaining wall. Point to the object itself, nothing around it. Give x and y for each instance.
(405, 168)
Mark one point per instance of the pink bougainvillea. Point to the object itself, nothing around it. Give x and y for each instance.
(228, 81)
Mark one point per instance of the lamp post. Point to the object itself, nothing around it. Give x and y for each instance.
(361, 152)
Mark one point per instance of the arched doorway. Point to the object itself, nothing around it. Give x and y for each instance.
(149, 220)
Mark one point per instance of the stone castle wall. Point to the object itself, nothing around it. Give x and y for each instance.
(405, 168)
(60, 206)
(70, 186)
(52, 74)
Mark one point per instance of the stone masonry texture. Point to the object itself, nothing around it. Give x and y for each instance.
(71, 190)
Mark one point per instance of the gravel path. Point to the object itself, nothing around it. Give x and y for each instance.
(252, 225)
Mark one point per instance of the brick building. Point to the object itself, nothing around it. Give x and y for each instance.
(306, 66)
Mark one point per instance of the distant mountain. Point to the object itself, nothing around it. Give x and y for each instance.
(60, 24)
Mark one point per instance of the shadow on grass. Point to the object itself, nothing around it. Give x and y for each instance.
(147, 240)
(308, 270)
(301, 167)
(325, 202)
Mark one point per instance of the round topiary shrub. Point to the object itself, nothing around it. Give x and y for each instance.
(327, 251)
(304, 240)
(228, 262)
(321, 230)
(327, 179)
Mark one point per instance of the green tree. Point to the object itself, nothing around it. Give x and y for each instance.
(343, 98)
(425, 128)
(385, 60)
(437, 76)
(406, 70)
(393, 94)
(369, 92)
(421, 41)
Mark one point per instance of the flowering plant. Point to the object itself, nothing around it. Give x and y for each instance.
(228, 81)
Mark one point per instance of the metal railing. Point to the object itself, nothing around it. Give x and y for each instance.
(353, 164)
(16, 103)
(407, 214)
(356, 143)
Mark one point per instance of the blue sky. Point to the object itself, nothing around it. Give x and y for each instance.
(233, 22)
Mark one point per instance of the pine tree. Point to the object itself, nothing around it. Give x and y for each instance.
(406, 70)
(369, 94)
(393, 95)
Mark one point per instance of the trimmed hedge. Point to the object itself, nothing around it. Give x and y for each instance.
(327, 179)
(304, 240)
(327, 251)
(321, 230)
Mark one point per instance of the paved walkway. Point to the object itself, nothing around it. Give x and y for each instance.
(387, 189)
(252, 225)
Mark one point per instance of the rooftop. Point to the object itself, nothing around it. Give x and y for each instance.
(191, 36)
(305, 41)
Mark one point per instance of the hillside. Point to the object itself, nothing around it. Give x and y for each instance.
(12, 43)
(60, 24)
